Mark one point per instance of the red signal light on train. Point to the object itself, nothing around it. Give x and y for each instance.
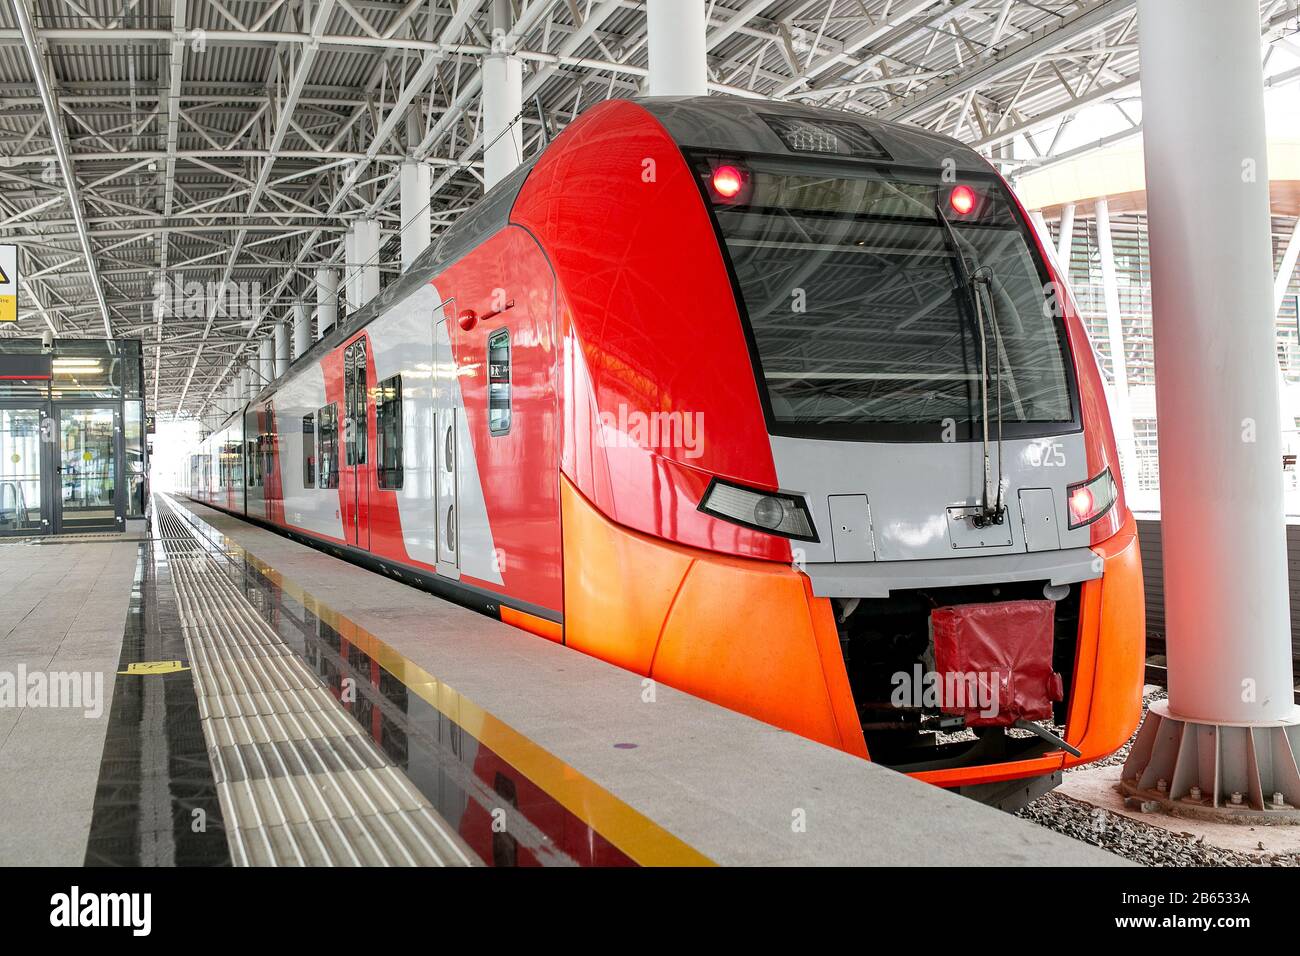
(962, 200)
(1081, 503)
(728, 181)
(1091, 499)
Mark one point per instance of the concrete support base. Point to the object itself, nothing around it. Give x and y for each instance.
(1098, 787)
(1217, 770)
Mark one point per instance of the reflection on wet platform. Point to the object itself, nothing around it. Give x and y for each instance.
(156, 800)
(441, 741)
(506, 819)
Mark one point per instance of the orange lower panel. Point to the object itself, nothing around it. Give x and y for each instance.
(991, 773)
(551, 630)
(618, 585)
(749, 635)
(1106, 699)
(742, 633)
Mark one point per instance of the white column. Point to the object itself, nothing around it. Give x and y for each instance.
(1065, 240)
(301, 329)
(675, 36)
(503, 133)
(417, 218)
(251, 388)
(1120, 409)
(503, 92)
(1040, 224)
(366, 251)
(1225, 563)
(327, 301)
(281, 334)
(265, 363)
(351, 272)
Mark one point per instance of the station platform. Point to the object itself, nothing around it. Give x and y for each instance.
(267, 703)
(63, 608)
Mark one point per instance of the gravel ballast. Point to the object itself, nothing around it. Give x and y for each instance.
(1140, 842)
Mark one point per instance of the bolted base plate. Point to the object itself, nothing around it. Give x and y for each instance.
(1218, 771)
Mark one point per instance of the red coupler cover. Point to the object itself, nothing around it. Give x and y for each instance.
(995, 661)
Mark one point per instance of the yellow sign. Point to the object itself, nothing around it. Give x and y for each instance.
(8, 283)
(146, 668)
(15, 458)
(86, 456)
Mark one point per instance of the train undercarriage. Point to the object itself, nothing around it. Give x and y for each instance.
(906, 703)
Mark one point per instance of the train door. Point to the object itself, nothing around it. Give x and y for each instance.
(354, 475)
(446, 411)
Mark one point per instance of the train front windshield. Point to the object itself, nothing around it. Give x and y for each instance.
(859, 323)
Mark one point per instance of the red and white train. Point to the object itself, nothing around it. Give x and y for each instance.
(734, 394)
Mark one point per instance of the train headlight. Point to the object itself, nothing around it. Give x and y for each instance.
(771, 511)
(1091, 499)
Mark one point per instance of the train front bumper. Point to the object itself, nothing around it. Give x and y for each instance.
(1106, 690)
(751, 636)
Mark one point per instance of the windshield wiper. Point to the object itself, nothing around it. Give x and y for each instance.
(992, 511)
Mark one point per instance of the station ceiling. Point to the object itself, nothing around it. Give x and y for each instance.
(226, 144)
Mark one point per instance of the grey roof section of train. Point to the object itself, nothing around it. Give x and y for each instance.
(734, 123)
(723, 123)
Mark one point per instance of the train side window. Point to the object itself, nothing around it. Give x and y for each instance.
(388, 432)
(499, 382)
(361, 413)
(355, 411)
(253, 463)
(349, 403)
(327, 434)
(309, 451)
(266, 442)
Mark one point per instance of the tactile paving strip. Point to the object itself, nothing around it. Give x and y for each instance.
(299, 782)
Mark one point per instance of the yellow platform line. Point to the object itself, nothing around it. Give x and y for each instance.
(640, 838)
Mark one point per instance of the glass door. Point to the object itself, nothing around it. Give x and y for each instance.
(87, 467)
(356, 439)
(22, 508)
(446, 411)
